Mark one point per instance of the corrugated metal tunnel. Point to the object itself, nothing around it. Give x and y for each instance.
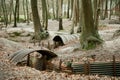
(38, 60)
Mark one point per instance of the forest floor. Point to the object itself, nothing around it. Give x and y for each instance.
(10, 43)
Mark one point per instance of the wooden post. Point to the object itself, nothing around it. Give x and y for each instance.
(86, 69)
(114, 66)
(44, 62)
(49, 47)
(60, 62)
(28, 60)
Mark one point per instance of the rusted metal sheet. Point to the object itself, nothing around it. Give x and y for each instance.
(98, 68)
(64, 39)
(19, 55)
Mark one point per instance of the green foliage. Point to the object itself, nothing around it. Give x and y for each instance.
(21, 20)
(91, 42)
(102, 25)
(68, 63)
(1, 19)
(49, 16)
(91, 45)
(16, 33)
(28, 35)
(41, 36)
(44, 35)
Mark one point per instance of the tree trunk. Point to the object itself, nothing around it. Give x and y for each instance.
(60, 15)
(36, 20)
(4, 9)
(18, 11)
(75, 15)
(106, 9)
(71, 9)
(95, 8)
(119, 10)
(68, 8)
(11, 11)
(89, 36)
(15, 13)
(96, 18)
(24, 10)
(110, 9)
(53, 9)
(101, 12)
(27, 11)
(45, 14)
(57, 7)
(80, 19)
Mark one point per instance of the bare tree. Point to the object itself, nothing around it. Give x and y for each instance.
(5, 13)
(75, 15)
(89, 35)
(60, 15)
(36, 20)
(44, 14)
(15, 13)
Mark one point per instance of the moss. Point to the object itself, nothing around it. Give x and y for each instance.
(91, 42)
(91, 45)
(41, 36)
(16, 33)
(28, 35)
(102, 25)
(44, 35)
(22, 20)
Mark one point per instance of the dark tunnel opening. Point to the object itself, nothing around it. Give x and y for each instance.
(58, 41)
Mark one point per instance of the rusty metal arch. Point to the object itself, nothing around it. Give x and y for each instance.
(19, 55)
(66, 38)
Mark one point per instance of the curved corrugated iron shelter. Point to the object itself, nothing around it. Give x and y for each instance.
(19, 55)
(64, 39)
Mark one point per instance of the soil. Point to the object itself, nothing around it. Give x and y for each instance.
(70, 51)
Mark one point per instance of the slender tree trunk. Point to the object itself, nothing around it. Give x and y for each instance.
(48, 8)
(68, 8)
(80, 19)
(101, 12)
(0, 12)
(60, 15)
(24, 10)
(106, 9)
(96, 18)
(119, 10)
(11, 11)
(110, 9)
(27, 11)
(95, 8)
(53, 9)
(44, 14)
(57, 7)
(75, 16)
(116, 6)
(6, 13)
(3, 4)
(15, 13)
(18, 11)
(89, 36)
(77, 12)
(36, 20)
(71, 9)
